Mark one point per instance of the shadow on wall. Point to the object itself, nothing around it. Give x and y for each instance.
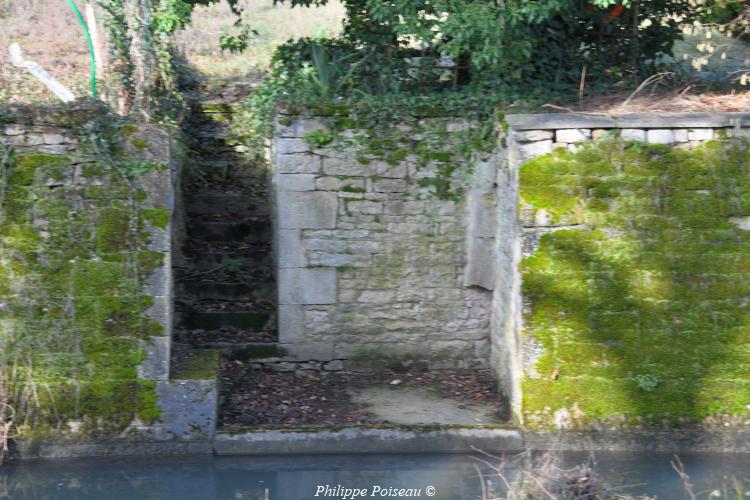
(637, 299)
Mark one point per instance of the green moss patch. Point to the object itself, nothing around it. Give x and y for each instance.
(75, 260)
(195, 364)
(641, 311)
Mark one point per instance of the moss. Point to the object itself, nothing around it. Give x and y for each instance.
(353, 189)
(157, 217)
(78, 259)
(113, 231)
(195, 364)
(129, 129)
(319, 138)
(639, 310)
(139, 144)
(30, 166)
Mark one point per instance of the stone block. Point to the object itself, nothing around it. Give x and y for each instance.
(633, 134)
(700, 134)
(384, 169)
(307, 210)
(296, 182)
(401, 207)
(286, 146)
(661, 136)
(159, 282)
(528, 151)
(298, 164)
(14, 130)
(737, 132)
(337, 259)
(53, 149)
(188, 408)
(319, 351)
(599, 133)
(298, 128)
(289, 248)
(307, 286)
(53, 138)
(390, 186)
(159, 239)
(328, 183)
(291, 323)
(364, 207)
(334, 366)
(534, 135)
(571, 135)
(376, 296)
(161, 312)
(156, 364)
(347, 165)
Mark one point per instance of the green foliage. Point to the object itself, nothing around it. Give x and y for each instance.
(399, 44)
(236, 43)
(647, 383)
(171, 15)
(640, 307)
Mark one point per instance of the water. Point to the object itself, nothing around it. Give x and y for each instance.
(453, 477)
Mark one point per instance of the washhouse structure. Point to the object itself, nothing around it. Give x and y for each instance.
(599, 266)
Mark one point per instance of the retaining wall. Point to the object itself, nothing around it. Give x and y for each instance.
(621, 258)
(86, 294)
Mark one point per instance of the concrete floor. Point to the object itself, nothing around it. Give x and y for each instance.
(417, 405)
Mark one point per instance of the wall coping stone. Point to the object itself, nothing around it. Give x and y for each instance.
(74, 113)
(553, 121)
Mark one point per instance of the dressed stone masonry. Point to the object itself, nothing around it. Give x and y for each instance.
(371, 271)
(83, 182)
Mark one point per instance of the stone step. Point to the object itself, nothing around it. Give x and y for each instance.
(212, 290)
(221, 132)
(242, 351)
(207, 321)
(233, 161)
(251, 259)
(225, 204)
(188, 363)
(248, 230)
(218, 106)
(239, 180)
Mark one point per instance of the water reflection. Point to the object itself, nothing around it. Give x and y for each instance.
(453, 477)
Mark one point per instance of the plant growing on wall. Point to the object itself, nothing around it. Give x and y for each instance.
(73, 262)
(637, 301)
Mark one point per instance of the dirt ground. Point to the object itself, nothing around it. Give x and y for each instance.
(257, 397)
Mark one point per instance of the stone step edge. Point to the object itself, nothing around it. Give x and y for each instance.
(405, 439)
(396, 440)
(457, 439)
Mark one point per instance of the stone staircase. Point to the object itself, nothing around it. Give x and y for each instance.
(225, 291)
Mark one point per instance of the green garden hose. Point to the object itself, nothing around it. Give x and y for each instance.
(91, 45)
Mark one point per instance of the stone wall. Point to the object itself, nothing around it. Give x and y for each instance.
(371, 267)
(620, 296)
(86, 283)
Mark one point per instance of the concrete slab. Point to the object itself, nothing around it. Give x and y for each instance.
(421, 406)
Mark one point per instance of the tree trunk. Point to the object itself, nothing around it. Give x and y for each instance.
(144, 77)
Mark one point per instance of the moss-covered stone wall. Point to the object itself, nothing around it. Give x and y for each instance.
(635, 282)
(84, 270)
